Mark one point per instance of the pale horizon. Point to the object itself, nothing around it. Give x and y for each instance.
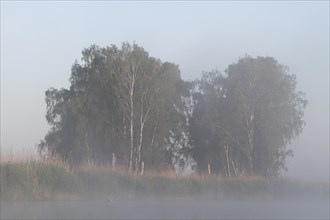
(41, 40)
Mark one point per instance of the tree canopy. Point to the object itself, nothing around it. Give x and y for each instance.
(123, 101)
(244, 119)
(120, 101)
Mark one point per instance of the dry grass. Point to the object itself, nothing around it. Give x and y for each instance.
(22, 156)
(29, 158)
(28, 176)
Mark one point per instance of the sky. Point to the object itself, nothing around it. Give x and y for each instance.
(41, 40)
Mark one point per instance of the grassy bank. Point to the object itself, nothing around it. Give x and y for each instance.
(38, 180)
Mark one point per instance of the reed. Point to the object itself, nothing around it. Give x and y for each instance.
(50, 178)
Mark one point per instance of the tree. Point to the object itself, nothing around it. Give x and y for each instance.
(243, 120)
(147, 90)
(116, 98)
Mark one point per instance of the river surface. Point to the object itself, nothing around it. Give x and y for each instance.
(167, 209)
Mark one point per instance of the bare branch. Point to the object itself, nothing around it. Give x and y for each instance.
(233, 138)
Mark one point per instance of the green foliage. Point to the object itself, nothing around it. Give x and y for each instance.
(243, 120)
(120, 99)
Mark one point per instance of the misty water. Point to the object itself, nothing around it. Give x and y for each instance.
(168, 208)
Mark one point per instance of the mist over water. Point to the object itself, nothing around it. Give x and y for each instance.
(169, 209)
(41, 40)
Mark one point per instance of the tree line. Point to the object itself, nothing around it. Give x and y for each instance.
(122, 101)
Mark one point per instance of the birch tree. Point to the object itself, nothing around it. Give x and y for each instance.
(117, 97)
(247, 117)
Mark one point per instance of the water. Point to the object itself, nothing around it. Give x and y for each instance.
(169, 209)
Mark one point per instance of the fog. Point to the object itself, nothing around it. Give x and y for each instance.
(169, 209)
(41, 40)
(38, 48)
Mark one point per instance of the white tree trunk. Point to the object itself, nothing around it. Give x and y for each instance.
(142, 168)
(138, 159)
(114, 161)
(234, 165)
(131, 122)
(226, 148)
(143, 119)
(142, 123)
(250, 131)
(154, 133)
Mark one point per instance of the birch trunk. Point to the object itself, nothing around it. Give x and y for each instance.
(226, 148)
(138, 159)
(142, 123)
(250, 131)
(143, 119)
(154, 133)
(131, 122)
(234, 165)
(89, 150)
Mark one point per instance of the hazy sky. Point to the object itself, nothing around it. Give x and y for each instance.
(41, 40)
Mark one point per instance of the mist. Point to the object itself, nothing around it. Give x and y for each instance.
(301, 43)
(40, 42)
(170, 209)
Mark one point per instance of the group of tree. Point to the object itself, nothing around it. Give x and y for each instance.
(124, 102)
